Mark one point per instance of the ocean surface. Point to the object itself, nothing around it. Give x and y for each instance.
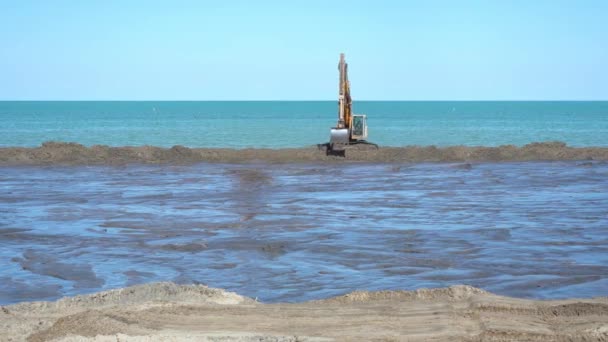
(303, 231)
(278, 124)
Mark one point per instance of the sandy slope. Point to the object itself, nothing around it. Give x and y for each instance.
(169, 312)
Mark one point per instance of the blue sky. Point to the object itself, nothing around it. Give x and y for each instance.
(288, 50)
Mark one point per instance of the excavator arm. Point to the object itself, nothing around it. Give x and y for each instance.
(344, 99)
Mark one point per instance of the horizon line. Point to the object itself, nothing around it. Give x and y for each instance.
(307, 100)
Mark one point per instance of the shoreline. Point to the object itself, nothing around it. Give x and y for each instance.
(196, 312)
(66, 153)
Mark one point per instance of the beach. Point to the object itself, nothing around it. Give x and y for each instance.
(169, 312)
(457, 243)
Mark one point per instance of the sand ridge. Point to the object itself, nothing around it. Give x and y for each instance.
(170, 312)
(62, 153)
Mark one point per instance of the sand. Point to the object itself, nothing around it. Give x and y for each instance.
(170, 312)
(75, 154)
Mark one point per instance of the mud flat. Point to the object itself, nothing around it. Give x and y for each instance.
(170, 312)
(76, 154)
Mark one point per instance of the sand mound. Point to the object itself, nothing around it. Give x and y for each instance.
(169, 312)
(452, 293)
(75, 154)
(164, 292)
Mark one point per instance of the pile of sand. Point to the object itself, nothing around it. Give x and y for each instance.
(75, 154)
(169, 312)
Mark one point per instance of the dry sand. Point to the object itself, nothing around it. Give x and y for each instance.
(76, 154)
(169, 312)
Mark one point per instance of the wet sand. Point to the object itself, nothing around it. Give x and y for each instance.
(75, 154)
(169, 312)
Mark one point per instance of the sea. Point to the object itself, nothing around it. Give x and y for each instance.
(281, 124)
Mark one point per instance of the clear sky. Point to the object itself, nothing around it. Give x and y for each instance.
(288, 50)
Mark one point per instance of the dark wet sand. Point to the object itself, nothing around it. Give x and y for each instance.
(76, 154)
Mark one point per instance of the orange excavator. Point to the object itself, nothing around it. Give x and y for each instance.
(351, 128)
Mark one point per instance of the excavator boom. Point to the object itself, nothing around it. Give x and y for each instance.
(344, 99)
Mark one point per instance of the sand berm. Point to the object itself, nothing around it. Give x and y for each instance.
(170, 312)
(62, 153)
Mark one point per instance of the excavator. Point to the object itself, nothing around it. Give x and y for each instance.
(351, 128)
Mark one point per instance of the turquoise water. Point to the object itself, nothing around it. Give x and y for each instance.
(278, 124)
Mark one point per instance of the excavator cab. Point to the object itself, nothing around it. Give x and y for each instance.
(359, 127)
